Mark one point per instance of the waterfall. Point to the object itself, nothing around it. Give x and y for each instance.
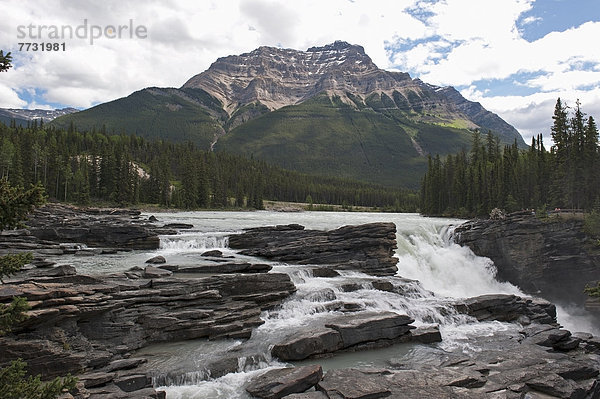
(446, 268)
(193, 242)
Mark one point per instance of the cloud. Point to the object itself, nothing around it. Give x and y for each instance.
(9, 97)
(462, 43)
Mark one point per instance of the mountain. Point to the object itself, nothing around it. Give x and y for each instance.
(24, 116)
(327, 110)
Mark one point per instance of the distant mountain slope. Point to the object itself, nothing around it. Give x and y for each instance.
(167, 113)
(24, 116)
(326, 110)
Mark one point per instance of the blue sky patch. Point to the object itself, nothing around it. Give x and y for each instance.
(37, 96)
(514, 85)
(548, 16)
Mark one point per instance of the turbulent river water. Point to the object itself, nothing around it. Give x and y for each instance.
(426, 253)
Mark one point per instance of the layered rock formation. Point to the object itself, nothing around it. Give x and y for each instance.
(56, 229)
(368, 248)
(83, 324)
(520, 366)
(547, 258)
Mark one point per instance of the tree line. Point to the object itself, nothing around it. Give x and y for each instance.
(95, 167)
(473, 183)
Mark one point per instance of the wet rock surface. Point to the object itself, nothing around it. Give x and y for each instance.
(546, 258)
(278, 383)
(368, 248)
(517, 367)
(91, 325)
(57, 229)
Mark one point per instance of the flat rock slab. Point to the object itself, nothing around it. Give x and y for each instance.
(371, 326)
(307, 395)
(228, 268)
(156, 272)
(355, 384)
(278, 383)
(343, 332)
(309, 343)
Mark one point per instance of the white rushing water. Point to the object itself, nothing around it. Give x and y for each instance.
(432, 270)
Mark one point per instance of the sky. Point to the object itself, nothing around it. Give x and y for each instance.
(515, 57)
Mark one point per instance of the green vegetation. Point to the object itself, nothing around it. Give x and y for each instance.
(175, 114)
(16, 203)
(328, 137)
(15, 384)
(5, 61)
(565, 177)
(593, 291)
(592, 225)
(128, 170)
(381, 139)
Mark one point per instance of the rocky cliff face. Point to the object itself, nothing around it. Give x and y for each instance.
(276, 77)
(547, 258)
(368, 248)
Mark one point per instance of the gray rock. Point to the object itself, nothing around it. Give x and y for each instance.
(544, 258)
(426, 335)
(229, 268)
(214, 253)
(371, 326)
(354, 383)
(325, 272)
(156, 272)
(303, 345)
(307, 395)
(509, 308)
(157, 260)
(278, 383)
(58, 271)
(92, 380)
(125, 364)
(178, 226)
(135, 382)
(368, 248)
(343, 332)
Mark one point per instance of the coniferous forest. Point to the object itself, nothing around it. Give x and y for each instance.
(96, 168)
(565, 177)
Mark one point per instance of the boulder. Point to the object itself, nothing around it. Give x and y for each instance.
(135, 382)
(426, 334)
(370, 326)
(156, 272)
(305, 344)
(368, 248)
(343, 332)
(214, 253)
(157, 260)
(509, 308)
(278, 383)
(59, 224)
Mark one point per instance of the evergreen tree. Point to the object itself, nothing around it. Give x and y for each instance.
(5, 61)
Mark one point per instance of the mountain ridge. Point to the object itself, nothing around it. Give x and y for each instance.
(275, 103)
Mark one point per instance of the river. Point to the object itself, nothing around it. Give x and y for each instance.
(442, 269)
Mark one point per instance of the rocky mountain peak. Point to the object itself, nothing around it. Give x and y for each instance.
(278, 77)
